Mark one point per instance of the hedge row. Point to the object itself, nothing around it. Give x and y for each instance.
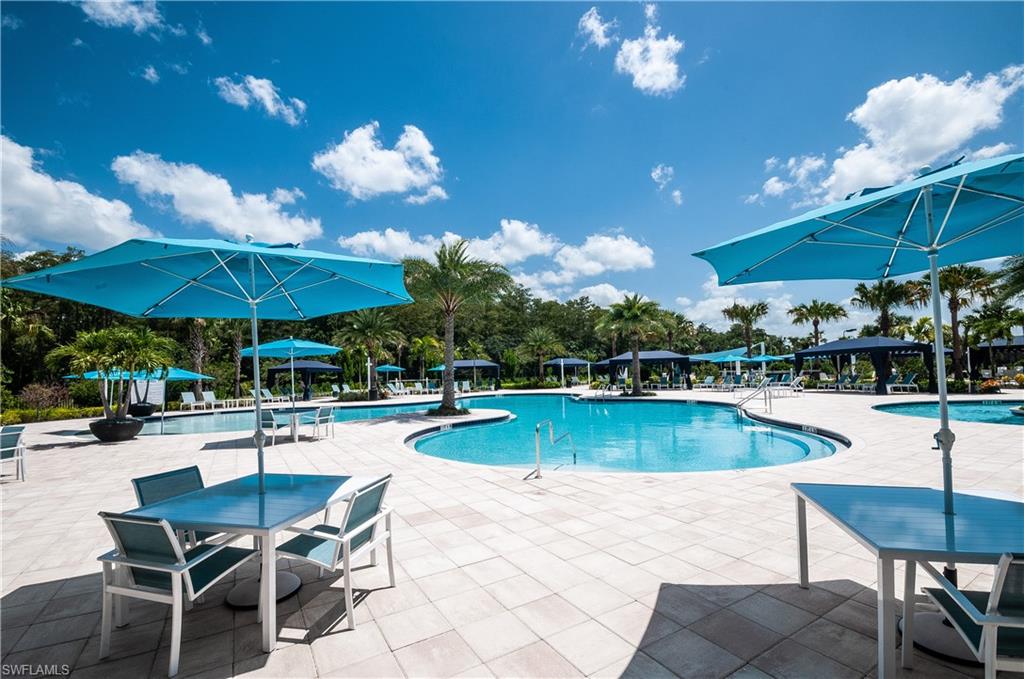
(25, 415)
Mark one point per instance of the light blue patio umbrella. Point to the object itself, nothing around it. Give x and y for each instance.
(291, 349)
(212, 278)
(964, 212)
(389, 369)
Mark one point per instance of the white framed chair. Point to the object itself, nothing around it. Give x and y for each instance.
(211, 398)
(358, 536)
(991, 623)
(12, 448)
(148, 563)
(189, 399)
(157, 487)
(268, 421)
(323, 420)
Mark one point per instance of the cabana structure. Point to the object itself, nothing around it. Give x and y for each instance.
(1000, 351)
(306, 370)
(563, 363)
(680, 362)
(878, 349)
(473, 364)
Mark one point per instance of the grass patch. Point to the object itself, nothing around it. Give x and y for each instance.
(442, 411)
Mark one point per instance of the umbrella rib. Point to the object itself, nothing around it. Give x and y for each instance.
(949, 210)
(868, 232)
(906, 225)
(335, 274)
(877, 246)
(991, 224)
(224, 265)
(983, 192)
(280, 283)
(809, 238)
(182, 288)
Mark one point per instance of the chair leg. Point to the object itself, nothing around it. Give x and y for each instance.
(373, 556)
(108, 612)
(172, 668)
(120, 602)
(990, 653)
(390, 555)
(350, 609)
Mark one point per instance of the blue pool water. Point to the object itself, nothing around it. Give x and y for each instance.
(992, 412)
(649, 436)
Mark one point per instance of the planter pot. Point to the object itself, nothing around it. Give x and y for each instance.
(113, 431)
(141, 409)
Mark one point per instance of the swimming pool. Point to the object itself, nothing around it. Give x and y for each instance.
(644, 436)
(992, 411)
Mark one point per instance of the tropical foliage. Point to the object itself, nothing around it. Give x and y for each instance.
(816, 312)
(747, 316)
(637, 320)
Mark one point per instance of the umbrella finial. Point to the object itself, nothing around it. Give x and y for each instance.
(249, 238)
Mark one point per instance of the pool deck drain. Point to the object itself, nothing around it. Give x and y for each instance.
(577, 574)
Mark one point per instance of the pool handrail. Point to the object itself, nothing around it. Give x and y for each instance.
(535, 473)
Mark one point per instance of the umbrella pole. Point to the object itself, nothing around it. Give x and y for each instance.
(258, 435)
(292, 359)
(163, 408)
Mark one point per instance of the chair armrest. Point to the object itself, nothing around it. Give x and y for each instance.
(954, 593)
(210, 552)
(315, 534)
(384, 513)
(116, 558)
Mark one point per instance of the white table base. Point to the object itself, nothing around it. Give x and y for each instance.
(247, 594)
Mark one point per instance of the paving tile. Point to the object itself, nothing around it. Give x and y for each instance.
(772, 613)
(491, 571)
(446, 584)
(590, 646)
(855, 616)
(534, 660)
(548, 615)
(378, 667)
(66, 653)
(815, 600)
(637, 624)
(740, 636)
(198, 655)
(688, 654)
(415, 624)
(678, 603)
(462, 609)
(124, 642)
(637, 666)
(58, 631)
(839, 643)
(346, 647)
(595, 597)
(517, 590)
(442, 656)
(286, 662)
(790, 660)
(131, 667)
(497, 635)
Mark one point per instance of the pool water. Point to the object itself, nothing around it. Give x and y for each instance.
(644, 436)
(992, 412)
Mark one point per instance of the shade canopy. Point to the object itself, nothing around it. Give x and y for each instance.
(977, 210)
(730, 358)
(735, 351)
(878, 348)
(767, 358)
(306, 366)
(646, 357)
(567, 362)
(388, 368)
(467, 363)
(175, 278)
(292, 348)
(170, 375)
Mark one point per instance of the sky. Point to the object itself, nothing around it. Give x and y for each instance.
(588, 148)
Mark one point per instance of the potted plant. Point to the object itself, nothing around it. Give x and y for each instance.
(118, 355)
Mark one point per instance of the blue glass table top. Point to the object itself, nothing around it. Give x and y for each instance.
(236, 505)
(900, 521)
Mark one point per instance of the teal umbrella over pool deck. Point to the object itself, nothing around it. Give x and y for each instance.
(211, 278)
(963, 212)
(291, 349)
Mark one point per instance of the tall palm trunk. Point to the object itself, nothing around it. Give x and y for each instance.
(817, 333)
(371, 378)
(448, 390)
(540, 367)
(637, 391)
(954, 313)
(237, 342)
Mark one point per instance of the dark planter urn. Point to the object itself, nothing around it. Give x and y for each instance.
(141, 409)
(113, 431)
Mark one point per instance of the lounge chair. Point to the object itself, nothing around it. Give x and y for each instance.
(906, 385)
(157, 487)
(268, 421)
(148, 563)
(211, 398)
(359, 535)
(417, 388)
(991, 623)
(465, 387)
(708, 383)
(12, 448)
(335, 391)
(269, 397)
(189, 399)
(841, 383)
(323, 419)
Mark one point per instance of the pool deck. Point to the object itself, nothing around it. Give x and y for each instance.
(576, 574)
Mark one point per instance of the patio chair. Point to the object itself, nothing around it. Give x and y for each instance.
(345, 389)
(417, 388)
(906, 384)
(189, 399)
(211, 398)
(157, 487)
(335, 391)
(323, 419)
(991, 623)
(12, 449)
(270, 397)
(148, 563)
(466, 388)
(841, 383)
(708, 383)
(359, 535)
(268, 421)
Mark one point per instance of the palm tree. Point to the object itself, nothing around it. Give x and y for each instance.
(540, 343)
(884, 297)
(919, 330)
(962, 285)
(677, 327)
(995, 320)
(425, 349)
(747, 315)
(373, 329)
(453, 280)
(816, 312)
(636, 319)
(1011, 278)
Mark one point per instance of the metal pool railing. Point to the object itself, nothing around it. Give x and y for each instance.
(535, 474)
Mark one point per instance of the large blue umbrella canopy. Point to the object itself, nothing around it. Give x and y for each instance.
(212, 278)
(387, 368)
(963, 212)
(291, 349)
(170, 375)
(730, 358)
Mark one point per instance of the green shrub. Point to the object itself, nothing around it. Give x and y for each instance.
(955, 387)
(989, 387)
(532, 383)
(701, 372)
(26, 415)
(354, 396)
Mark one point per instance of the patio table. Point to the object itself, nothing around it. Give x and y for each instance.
(237, 507)
(908, 524)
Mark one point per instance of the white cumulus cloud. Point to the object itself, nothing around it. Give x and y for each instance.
(992, 151)
(662, 175)
(36, 207)
(596, 30)
(261, 92)
(141, 16)
(600, 253)
(650, 59)
(361, 166)
(149, 74)
(603, 294)
(709, 308)
(198, 196)
(677, 197)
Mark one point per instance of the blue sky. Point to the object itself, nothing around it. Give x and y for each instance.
(535, 129)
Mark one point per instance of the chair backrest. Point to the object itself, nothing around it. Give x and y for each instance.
(266, 393)
(786, 379)
(364, 505)
(324, 414)
(710, 379)
(267, 419)
(335, 389)
(345, 389)
(1007, 597)
(253, 392)
(664, 379)
(209, 396)
(188, 397)
(465, 386)
(145, 539)
(893, 378)
(737, 379)
(157, 487)
(10, 440)
(909, 379)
